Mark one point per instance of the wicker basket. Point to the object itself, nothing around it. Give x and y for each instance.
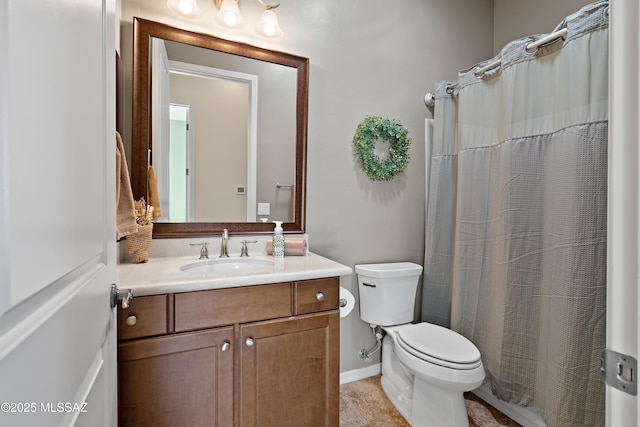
(138, 243)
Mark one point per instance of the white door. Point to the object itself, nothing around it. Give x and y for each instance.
(57, 214)
(624, 198)
(181, 164)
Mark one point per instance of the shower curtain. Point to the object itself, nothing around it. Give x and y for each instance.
(515, 254)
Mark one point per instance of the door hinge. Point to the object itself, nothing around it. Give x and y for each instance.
(619, 371)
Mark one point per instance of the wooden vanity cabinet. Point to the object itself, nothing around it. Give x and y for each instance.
(264, 355)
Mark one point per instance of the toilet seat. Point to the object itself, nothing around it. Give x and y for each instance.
(438, 345)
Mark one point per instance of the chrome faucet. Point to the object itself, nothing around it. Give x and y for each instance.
(223, 243)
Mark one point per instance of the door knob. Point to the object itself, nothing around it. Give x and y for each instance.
(249, 342)
(319, 296)
(225, 346)
(123, 295)
(131, 320)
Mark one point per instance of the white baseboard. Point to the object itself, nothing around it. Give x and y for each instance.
(358, 374)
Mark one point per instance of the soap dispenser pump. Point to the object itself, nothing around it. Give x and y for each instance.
(278, 240)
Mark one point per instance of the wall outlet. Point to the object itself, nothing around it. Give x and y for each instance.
(264, 208)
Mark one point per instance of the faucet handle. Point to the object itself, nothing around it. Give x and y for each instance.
(204, 252)
(243, 249)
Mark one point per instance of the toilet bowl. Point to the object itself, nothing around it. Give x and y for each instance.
(425, 368)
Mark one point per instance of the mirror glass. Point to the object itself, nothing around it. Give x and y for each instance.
(224, 126)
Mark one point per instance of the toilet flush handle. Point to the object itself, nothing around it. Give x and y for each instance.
(370, 285)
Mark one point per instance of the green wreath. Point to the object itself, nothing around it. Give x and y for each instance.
(367, 133)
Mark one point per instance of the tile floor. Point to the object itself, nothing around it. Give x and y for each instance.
(363, 404)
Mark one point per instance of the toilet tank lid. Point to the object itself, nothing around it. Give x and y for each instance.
(389, 269)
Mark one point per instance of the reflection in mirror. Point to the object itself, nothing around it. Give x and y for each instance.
(217, 158)
(224, 126)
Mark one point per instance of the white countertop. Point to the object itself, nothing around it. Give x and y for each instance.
(161, 275)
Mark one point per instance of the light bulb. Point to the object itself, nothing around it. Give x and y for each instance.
(185, 7)
(229, 14)
(269, 29)
(230, 19)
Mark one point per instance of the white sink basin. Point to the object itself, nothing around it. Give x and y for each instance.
(228, 266)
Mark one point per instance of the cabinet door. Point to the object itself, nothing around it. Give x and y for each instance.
(178, 380)
(289, 372)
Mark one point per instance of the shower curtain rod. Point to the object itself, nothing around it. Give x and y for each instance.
(429, 98)
(530, 48)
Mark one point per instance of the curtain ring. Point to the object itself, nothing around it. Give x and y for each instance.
(532, 48)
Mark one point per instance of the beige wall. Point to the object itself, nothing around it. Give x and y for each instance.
(520, 18)
(367, 57)
(371, 58)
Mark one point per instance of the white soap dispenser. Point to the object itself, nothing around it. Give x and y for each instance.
(278, 240)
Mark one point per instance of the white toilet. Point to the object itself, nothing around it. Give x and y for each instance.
(425, 368)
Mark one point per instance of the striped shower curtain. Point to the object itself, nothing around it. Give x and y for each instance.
(515, 255)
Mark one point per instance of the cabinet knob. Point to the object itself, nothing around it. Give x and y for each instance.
(319, 296)
(249, 342)
(225, 346)
(131, 320)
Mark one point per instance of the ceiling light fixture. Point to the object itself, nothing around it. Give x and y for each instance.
(268, 23)
(228, 14)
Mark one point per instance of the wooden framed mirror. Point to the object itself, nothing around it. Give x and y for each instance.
(288, 191)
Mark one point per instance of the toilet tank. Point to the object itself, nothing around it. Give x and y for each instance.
(387, 292)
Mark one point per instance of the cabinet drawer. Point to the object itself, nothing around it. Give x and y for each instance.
(217, 307)
(144, 317)
(317, 295)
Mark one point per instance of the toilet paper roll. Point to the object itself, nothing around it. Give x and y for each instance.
(347, 302)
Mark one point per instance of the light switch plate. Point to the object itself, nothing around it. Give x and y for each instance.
(264, 208)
